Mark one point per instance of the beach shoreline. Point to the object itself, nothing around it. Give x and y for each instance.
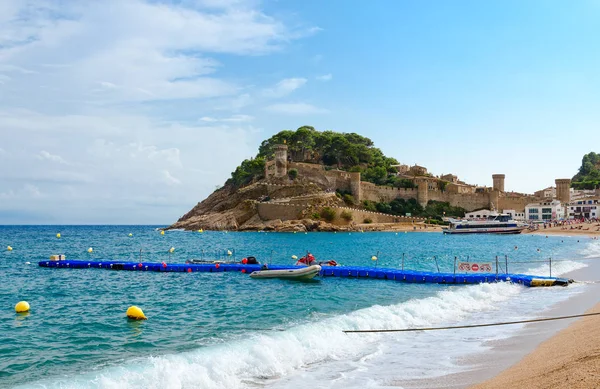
(507, 362)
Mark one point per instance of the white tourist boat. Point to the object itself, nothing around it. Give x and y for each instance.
(305, 273)
(494, 224)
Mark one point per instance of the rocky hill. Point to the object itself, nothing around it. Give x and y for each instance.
(299, 181)
(232, 208)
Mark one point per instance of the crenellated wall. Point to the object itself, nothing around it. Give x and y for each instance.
(286, 211)
(516, 203)
(457, 195)
(377, 193)
(469, 201)
(359, 216)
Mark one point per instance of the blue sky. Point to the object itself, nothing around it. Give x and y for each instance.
(132, 111)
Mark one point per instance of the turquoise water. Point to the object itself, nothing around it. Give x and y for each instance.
(76, 333)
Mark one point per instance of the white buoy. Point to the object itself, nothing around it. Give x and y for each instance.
(172, 249)
(28, 263)
(229, 252)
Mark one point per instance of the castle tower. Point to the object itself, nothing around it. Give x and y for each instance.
(281, 160)
(498, 182)
(355, 187)
(563, 190)
(422, 192)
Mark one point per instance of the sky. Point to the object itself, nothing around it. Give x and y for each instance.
(133, 111)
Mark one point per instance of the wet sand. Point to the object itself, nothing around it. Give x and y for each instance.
(570, 359)
(507, 360)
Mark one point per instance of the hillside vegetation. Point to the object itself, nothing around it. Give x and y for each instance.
(588, 176)
(345, 151)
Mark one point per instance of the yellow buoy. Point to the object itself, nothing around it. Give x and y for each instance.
(135, 313)
(9, 248)
(58, 235)
(373, 258)
(229, 252)
(201, 230)
(90, 250)
(294, 257)
(22, 306)
(162, 232)
(172, 249)
(130, 235)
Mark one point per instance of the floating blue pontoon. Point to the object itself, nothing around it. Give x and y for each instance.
(411, 276)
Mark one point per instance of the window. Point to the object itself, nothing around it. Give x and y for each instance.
(546, 217)
(533, 210)
(546, 210)
(533, 217)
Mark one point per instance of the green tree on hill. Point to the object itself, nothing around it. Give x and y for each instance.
(588, 176)
(346, 151)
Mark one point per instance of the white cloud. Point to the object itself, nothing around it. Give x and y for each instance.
(124, 164)
(325, 77)
(169, 156)
(28, 191)
(44, 155)
(295, 109)
(285, 87)
(121, 104)
(169, 179)
(151, 51)
(32, 190)
(231, 119)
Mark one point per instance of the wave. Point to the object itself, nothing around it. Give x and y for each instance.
(559, 268)
(591, 250)
(264, 359)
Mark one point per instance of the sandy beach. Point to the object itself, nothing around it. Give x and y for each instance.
(546, 358)
(570, 359)
(588, 229)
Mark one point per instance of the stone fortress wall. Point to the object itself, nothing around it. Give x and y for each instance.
(287, 211)
(463, 196)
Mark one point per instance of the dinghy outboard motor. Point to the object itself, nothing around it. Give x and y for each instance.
(252, 261)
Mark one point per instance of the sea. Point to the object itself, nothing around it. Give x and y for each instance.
(226, 330)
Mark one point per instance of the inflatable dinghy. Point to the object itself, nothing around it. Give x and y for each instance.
(305, 273)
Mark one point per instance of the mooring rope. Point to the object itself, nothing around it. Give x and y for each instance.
(476, 325)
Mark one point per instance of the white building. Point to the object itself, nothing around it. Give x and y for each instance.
(484, 213)
(544, 211)
(584, 208)
(520, 216)
(481, 214)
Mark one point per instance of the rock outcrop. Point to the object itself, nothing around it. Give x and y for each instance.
(230, 208)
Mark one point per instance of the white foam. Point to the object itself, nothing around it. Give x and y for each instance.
(559, 267)
(591, 250)
(277, 357)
